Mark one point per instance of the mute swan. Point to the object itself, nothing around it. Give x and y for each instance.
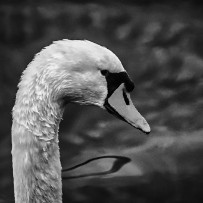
(66, 71)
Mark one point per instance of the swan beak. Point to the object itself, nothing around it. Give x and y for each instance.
(120, 105)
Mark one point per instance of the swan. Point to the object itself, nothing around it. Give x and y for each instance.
(77, 71)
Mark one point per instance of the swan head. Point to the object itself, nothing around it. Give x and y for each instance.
(86, 73)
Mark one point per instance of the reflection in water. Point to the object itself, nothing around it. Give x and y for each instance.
(170, 171)
(116, 165)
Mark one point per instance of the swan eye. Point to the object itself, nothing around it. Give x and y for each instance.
(104, 72)
(126, 98)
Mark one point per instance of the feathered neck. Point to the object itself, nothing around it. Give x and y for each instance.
(35, 151)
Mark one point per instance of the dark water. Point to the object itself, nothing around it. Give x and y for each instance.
(161, 46)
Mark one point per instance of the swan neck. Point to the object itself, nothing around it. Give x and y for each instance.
(35, 150)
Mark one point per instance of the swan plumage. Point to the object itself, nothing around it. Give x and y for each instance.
(65, 71)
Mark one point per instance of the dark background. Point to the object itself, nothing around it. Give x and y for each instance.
(160, 44)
